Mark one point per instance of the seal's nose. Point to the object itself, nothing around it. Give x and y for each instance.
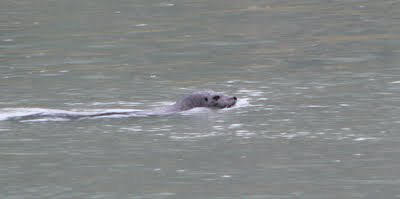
(234, 98)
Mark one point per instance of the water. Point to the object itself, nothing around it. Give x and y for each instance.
(318, 84)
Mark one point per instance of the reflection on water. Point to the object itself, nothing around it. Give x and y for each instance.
(318, 83)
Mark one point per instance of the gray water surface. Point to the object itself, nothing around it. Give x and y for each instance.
(318, 84)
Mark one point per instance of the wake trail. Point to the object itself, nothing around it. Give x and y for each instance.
(42, 114)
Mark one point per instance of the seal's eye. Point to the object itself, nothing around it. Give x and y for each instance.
(205, 99)
(216, 97)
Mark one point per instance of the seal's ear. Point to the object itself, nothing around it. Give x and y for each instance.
(206, 99)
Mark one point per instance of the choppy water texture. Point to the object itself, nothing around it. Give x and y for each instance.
(318, 83)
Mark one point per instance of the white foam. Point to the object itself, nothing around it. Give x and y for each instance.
(233, 126)
(197, 110)
(242, 102)
(294, 135)
(194, 136)
(315, 106)
(56, 114)
(165, 4)
(218, 127)
(244, 133)
(135, 128)
(164, 103)
(232, 81)
(47, 120)
(8, 113)
(141, 25)
(116, 103)
(365, 138)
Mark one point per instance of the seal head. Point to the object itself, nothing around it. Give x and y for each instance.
(208, 99)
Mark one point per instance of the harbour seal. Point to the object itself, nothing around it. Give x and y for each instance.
(207, 99)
